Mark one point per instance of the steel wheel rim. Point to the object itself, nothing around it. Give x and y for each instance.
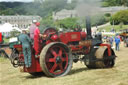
(56, 60)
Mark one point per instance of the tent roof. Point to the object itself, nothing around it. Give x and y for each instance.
(7, 28)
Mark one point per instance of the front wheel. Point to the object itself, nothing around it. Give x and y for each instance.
(55, 59)
(100, 59)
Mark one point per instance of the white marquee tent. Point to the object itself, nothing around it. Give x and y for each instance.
(8, 28)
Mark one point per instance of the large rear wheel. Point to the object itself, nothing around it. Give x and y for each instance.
(55, 59)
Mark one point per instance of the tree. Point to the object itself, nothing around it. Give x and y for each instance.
(67, 23)
(47, 22)
(51, 5)
(120, 17)
(115, 2)
(124, 2)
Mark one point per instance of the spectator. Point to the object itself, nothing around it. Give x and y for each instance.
(111, 41)
(26, 41)
(117, 43)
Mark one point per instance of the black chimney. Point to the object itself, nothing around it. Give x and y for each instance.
(88, 27)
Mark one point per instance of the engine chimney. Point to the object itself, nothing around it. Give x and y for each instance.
(88, 27)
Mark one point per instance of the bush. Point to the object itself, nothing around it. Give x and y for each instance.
(107, 14)
(120, 17)
(14, 33)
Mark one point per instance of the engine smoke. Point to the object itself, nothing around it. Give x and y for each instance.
(88, 7)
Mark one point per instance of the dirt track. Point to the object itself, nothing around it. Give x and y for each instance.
(79, 75)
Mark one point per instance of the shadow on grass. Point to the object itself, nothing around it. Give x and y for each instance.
(75, 71)
(38, 75)
(35, 75)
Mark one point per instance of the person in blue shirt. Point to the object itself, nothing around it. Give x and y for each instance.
(26, 46)
(117, 43)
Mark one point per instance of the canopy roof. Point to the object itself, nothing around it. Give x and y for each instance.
(8, 28)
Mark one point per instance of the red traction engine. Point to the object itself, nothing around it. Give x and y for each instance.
(60, 49)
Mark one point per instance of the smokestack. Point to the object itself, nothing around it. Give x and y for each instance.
(88, 27)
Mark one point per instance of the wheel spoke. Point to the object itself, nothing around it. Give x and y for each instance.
(53, 68)
(61, 67)
(60, 52)
(51, 60)
(56, 59)
(64, 59)
(53, 52)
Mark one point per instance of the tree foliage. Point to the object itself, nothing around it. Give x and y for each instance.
(115, 2)
(44, 8)
(14, 33)
(67, 23)
(120, 17)
(46, 22)
(35, 8)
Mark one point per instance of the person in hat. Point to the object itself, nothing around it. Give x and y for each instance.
(32, 28)
(37, 40)
(26, 42)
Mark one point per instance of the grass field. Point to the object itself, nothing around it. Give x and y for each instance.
(79, 75)
(117, 27)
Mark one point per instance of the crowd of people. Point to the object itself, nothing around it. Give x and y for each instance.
(112, 39)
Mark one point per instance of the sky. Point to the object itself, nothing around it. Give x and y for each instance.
(16, 0)
(69, 1)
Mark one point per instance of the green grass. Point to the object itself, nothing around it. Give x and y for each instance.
(116, 27)
(2, 59)
(79, 75)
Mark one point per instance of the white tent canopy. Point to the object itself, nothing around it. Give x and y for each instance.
(8, 28)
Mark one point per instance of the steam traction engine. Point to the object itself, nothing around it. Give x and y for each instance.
(59, 50)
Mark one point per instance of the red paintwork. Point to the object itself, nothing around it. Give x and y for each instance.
(109, 48)
(51, 60)
(1, 38)
(54, 37)
(83, 35)
(63, 37)
(70, 37)
(74, 48)
(35, 67)
(66, 38)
